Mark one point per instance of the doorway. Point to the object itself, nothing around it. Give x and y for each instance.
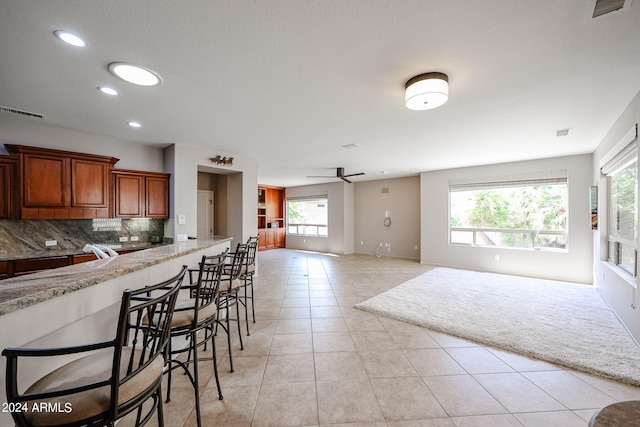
(205, 213)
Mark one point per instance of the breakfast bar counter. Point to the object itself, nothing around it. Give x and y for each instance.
(21, 292)
(79, 304)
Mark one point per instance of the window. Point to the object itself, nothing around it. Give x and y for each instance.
(308, 217)
(527, 212)
(622, 210)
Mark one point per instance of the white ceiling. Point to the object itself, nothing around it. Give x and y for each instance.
(289, 82)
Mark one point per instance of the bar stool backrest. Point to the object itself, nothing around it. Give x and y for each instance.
(206, 292)
(252, 250)
(237, 261)
(145, 341)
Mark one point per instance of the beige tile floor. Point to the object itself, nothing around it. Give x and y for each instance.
(314, 360)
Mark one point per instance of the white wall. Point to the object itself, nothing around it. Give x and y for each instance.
(575, 265)
(25, 131)
(402, 200)
(242, 184)
(619, 292)
(341, 220)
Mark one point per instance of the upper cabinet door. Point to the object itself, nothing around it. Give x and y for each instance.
(157, 197)
(129, 196)
(7, 187)
(46, 181)
(90, 184)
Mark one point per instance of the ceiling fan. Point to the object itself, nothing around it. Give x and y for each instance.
(339, 174)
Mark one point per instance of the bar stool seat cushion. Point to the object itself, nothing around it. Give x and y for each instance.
(86, 370)
(184, 312)
(235, 284)
(248, 269)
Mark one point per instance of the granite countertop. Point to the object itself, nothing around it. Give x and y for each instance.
(20, 292)
(59, 251)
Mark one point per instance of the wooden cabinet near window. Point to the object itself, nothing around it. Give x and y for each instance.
(140, 194)
(271, 223)
(58, 184)
(8, 187)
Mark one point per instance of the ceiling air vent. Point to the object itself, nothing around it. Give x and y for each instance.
(22, 113)
(602, 7)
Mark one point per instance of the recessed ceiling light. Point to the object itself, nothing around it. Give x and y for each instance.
(562, 132)
(70, 38)
(108, 90)
(135, 74)
(134, 124)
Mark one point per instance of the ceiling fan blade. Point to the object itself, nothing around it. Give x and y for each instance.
(355, 174)
(345, 179)
(320, 176)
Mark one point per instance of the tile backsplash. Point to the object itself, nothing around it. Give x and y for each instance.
(26, 236)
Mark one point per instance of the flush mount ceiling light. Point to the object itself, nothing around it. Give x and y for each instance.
(108, 90)
(134, 74)
(69, 38)
(426, 91)
(134, 124)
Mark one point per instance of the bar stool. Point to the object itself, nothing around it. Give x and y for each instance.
(246, 275)
(230, 284)
(115, 378)
(193, 320)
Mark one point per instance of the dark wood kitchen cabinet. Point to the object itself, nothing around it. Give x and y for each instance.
(8, 187)
(27, 266)
(140, 194)
(57, 184)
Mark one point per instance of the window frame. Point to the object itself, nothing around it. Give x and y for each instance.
(624, 154)
(557, 177)
(320, 199)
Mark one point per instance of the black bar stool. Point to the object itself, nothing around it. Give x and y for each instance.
(115, 378)
(194, 320)
(230, 285)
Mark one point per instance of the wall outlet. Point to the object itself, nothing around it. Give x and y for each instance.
(182, 219)
(51, 243)
(124, 239)
(496, 257)
(135, 238)
(415, 247)
(387, 214)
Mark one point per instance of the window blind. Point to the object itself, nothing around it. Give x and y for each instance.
(302, 198)
(516, 180)
(622, 154)
(624, 158)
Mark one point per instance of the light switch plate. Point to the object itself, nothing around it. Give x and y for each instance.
(135, 238)
(51, 243)
(124, 239)
(181, 237)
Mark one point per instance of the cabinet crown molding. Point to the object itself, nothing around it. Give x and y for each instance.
(26, 149)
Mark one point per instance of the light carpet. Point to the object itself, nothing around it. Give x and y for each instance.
(563, 323)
